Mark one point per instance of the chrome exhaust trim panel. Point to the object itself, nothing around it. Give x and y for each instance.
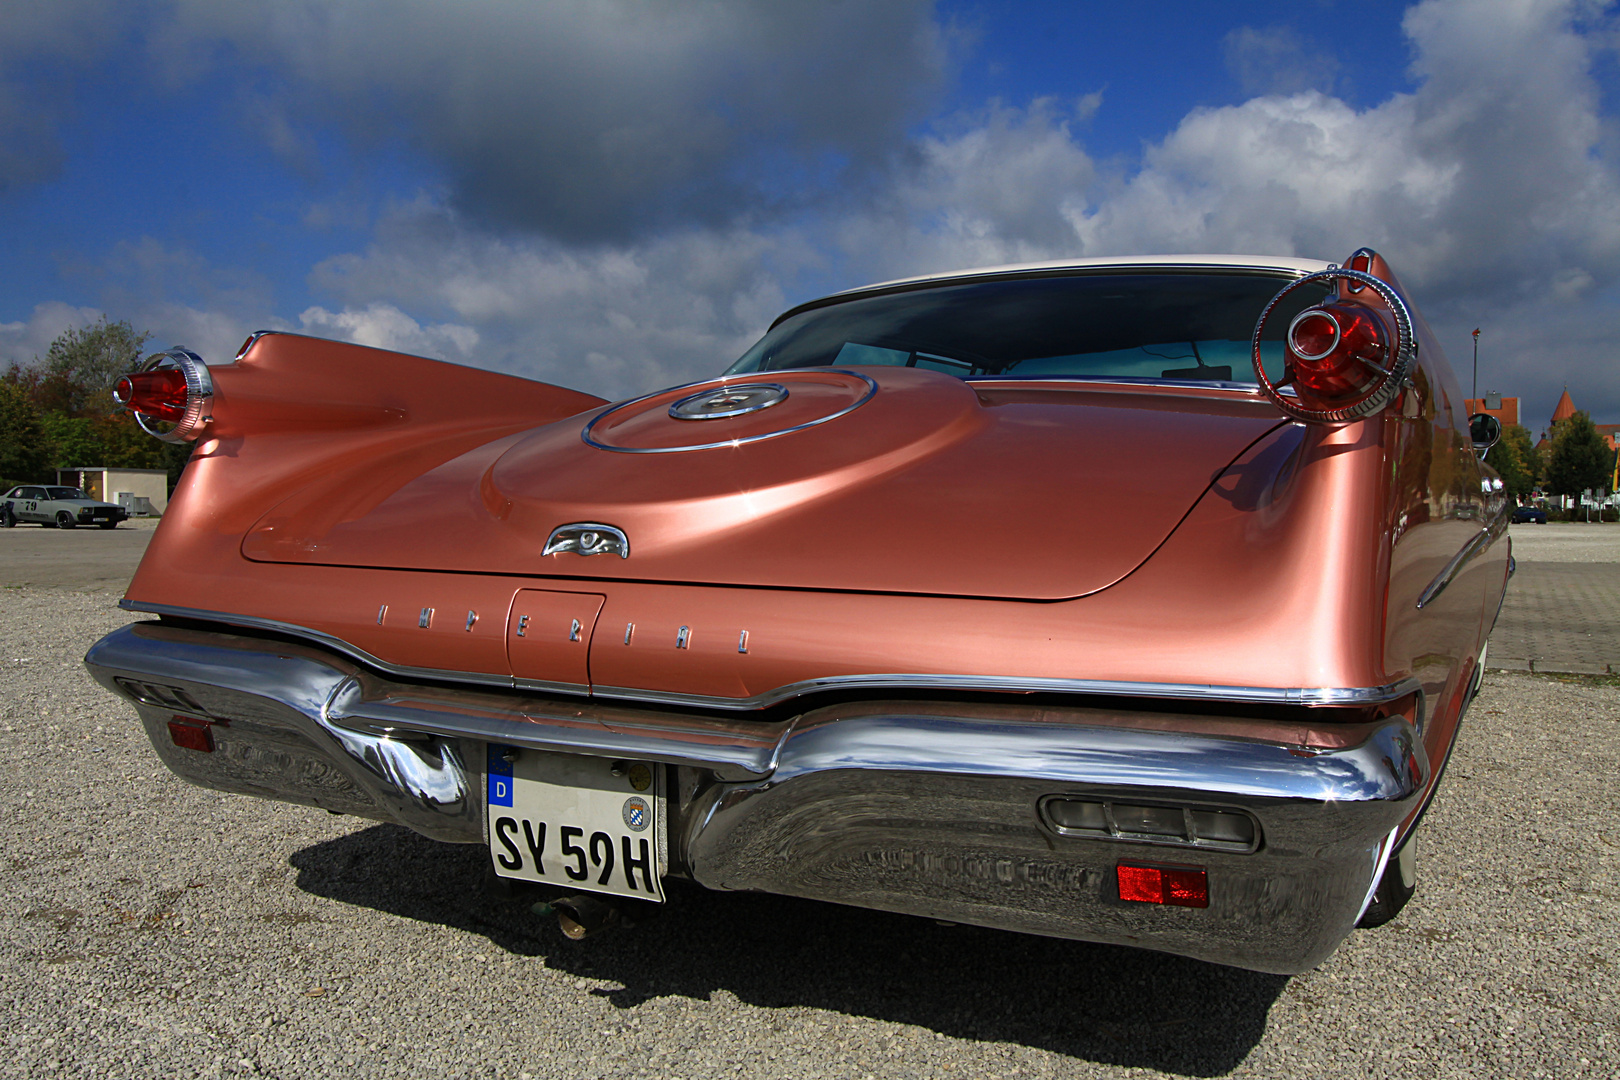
(932, 808)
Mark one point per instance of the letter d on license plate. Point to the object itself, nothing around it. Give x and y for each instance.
(580, 822)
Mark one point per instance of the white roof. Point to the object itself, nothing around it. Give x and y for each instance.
(1285, 263)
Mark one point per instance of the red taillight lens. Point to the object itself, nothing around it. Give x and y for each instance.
(160, 394)
(192, 734)
(1313, 334)
(1338, 350)
(1177, 886)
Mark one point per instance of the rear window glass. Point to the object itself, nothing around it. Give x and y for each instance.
(1177, 326)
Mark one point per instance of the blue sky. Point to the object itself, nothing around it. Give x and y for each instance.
(620, 195)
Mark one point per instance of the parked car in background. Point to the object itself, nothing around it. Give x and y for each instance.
(844, 623)
(57, 507)
(1524, 514)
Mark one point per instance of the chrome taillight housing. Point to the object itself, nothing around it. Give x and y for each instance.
(171, 395)
(1345, 358)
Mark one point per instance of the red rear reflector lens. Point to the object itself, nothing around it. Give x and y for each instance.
(160, 394)
(1163, 885)
(192, 734)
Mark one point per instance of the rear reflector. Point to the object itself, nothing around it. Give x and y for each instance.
(1183, 826)
(192, 734)
(1178, 886)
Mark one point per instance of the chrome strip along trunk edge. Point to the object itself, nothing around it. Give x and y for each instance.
(911, 682)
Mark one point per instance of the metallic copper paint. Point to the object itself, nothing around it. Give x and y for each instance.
(933, 486)
(1200, 539)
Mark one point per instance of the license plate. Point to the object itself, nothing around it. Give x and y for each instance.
(585, 823)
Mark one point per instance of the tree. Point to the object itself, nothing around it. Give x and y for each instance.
(76, 421)
(1515, 459)
(1579, 457)
(80, 367)
(71, 440)
(23, 455)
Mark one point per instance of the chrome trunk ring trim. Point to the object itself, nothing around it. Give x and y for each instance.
(585, 433)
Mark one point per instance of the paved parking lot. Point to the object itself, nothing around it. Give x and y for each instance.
(1563, 608)
(157, 929)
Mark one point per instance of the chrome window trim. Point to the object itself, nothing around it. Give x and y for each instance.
(977, 277)
(1251, 695)
(722, 381)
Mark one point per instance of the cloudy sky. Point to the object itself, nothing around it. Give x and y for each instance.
(620, 194)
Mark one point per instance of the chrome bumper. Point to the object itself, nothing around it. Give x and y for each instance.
(922, 807)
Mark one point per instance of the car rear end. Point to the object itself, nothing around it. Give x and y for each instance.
(854, 634)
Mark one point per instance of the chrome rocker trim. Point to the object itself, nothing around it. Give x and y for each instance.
(915, 682)
(921, 807)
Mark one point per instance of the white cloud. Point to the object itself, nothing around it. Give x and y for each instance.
(22, 342)
(678, 173)
(74, 33)
(1485, 181)
(612, 320)
(598, 120)
(384, 326)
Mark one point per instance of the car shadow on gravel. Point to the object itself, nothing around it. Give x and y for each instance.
(1103, 1003)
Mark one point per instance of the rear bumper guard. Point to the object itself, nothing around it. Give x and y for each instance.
(928, 808)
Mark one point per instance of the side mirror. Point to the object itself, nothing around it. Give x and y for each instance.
(1484, 429)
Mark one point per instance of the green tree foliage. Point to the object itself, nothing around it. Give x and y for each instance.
(23, 455)
(1514, 457)
(72, 440)
(1579, 458)
(80, 367)
(75, 420)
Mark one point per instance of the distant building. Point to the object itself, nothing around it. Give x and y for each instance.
(1565, 410)
(140, 491)
(1505, 409)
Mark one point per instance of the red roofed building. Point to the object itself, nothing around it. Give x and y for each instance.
(1565, 409)
(1505, 409)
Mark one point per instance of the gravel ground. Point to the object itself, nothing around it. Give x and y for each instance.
(159, 929)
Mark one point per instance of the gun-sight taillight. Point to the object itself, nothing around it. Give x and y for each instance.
(1346, 357)
(171, 395)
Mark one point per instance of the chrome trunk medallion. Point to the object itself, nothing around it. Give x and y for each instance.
(729, 401)
(588, 538)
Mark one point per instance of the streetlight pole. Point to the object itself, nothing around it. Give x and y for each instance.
(1476, 364)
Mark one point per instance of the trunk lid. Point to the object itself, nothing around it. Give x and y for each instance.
(873, 479)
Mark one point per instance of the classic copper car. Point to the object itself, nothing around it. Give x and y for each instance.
(1130, 600)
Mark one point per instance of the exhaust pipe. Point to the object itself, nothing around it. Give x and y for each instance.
(584, 914)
